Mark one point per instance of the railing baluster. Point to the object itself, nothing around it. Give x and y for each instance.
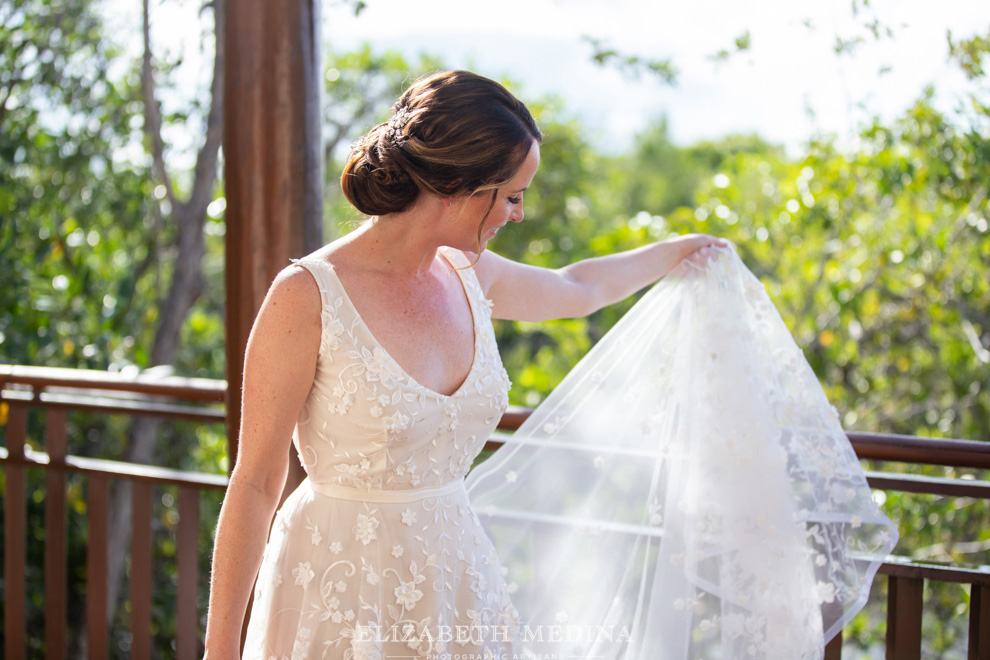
(187, 618)
(15, 537)
(56, 571)
(141, 549)
(979, 622)
(833, 650)
(96, 567)
(904, 600)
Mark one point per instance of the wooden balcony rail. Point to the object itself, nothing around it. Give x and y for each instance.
(61, 390)
(58, 391)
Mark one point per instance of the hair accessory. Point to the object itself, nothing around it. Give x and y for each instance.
(396, 124)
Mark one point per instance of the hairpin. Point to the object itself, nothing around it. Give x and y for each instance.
(396, 124)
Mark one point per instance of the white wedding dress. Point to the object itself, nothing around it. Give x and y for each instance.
(687, 492)
(378, 554)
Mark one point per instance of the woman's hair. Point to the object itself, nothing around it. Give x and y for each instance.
(451, 133)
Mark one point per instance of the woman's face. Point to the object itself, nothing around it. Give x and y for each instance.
(508, 202)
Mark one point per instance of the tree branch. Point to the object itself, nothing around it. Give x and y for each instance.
(632, 65)
(205, 172)
(152, 116)
(9, 90)
(15, 75)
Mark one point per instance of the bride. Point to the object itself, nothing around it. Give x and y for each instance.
(636, 503)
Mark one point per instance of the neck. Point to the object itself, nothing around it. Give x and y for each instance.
(403, 243)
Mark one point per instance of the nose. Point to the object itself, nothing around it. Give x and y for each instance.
(517, 215)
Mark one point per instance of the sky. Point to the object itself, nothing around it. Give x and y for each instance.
(789, 86)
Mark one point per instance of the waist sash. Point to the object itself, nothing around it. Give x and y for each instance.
(377, 495)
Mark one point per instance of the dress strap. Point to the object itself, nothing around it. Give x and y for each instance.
(318, 269)
(468, 276)
(330, 300)
(455, 257)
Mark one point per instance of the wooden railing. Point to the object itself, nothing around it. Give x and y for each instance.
(58, 391)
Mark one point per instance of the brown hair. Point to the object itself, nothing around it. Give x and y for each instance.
(452, 133)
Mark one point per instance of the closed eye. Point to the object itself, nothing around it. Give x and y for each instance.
(515, 200)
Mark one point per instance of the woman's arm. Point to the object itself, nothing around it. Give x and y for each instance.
(528, 293)
(279, 367)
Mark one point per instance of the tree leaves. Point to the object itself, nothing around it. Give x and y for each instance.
(632, 65)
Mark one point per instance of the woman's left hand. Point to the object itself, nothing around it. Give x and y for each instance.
(699, 250)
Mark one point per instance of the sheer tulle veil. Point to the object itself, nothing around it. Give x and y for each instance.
(687, 491)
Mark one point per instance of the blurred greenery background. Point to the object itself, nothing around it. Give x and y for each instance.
(877, 257)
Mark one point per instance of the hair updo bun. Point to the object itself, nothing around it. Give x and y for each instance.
(374, 181)
(452, 133)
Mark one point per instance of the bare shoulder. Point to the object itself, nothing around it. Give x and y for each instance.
(522, 292)
(296, 290)
(285, 337)
(489, 267)
(296, 283)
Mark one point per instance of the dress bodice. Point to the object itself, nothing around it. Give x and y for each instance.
(369, 425)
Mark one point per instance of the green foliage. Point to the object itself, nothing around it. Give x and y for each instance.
(71, 210)
(633, 65)
(969, 53)
(741, 44)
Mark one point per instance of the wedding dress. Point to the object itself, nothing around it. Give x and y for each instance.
(378, 554)
(687, 491)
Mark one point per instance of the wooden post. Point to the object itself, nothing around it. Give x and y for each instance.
(273, 162)
(979, 622)
(98, 497)
(904, 601)
(187, 619)
(833, 650)
(56, 566)
(15, 536)
(142, 550)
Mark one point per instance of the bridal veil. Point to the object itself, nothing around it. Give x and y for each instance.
(686, 492)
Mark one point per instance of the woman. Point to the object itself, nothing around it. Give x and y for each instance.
(379, 349)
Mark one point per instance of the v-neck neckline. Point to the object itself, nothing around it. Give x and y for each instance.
(377, 344)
